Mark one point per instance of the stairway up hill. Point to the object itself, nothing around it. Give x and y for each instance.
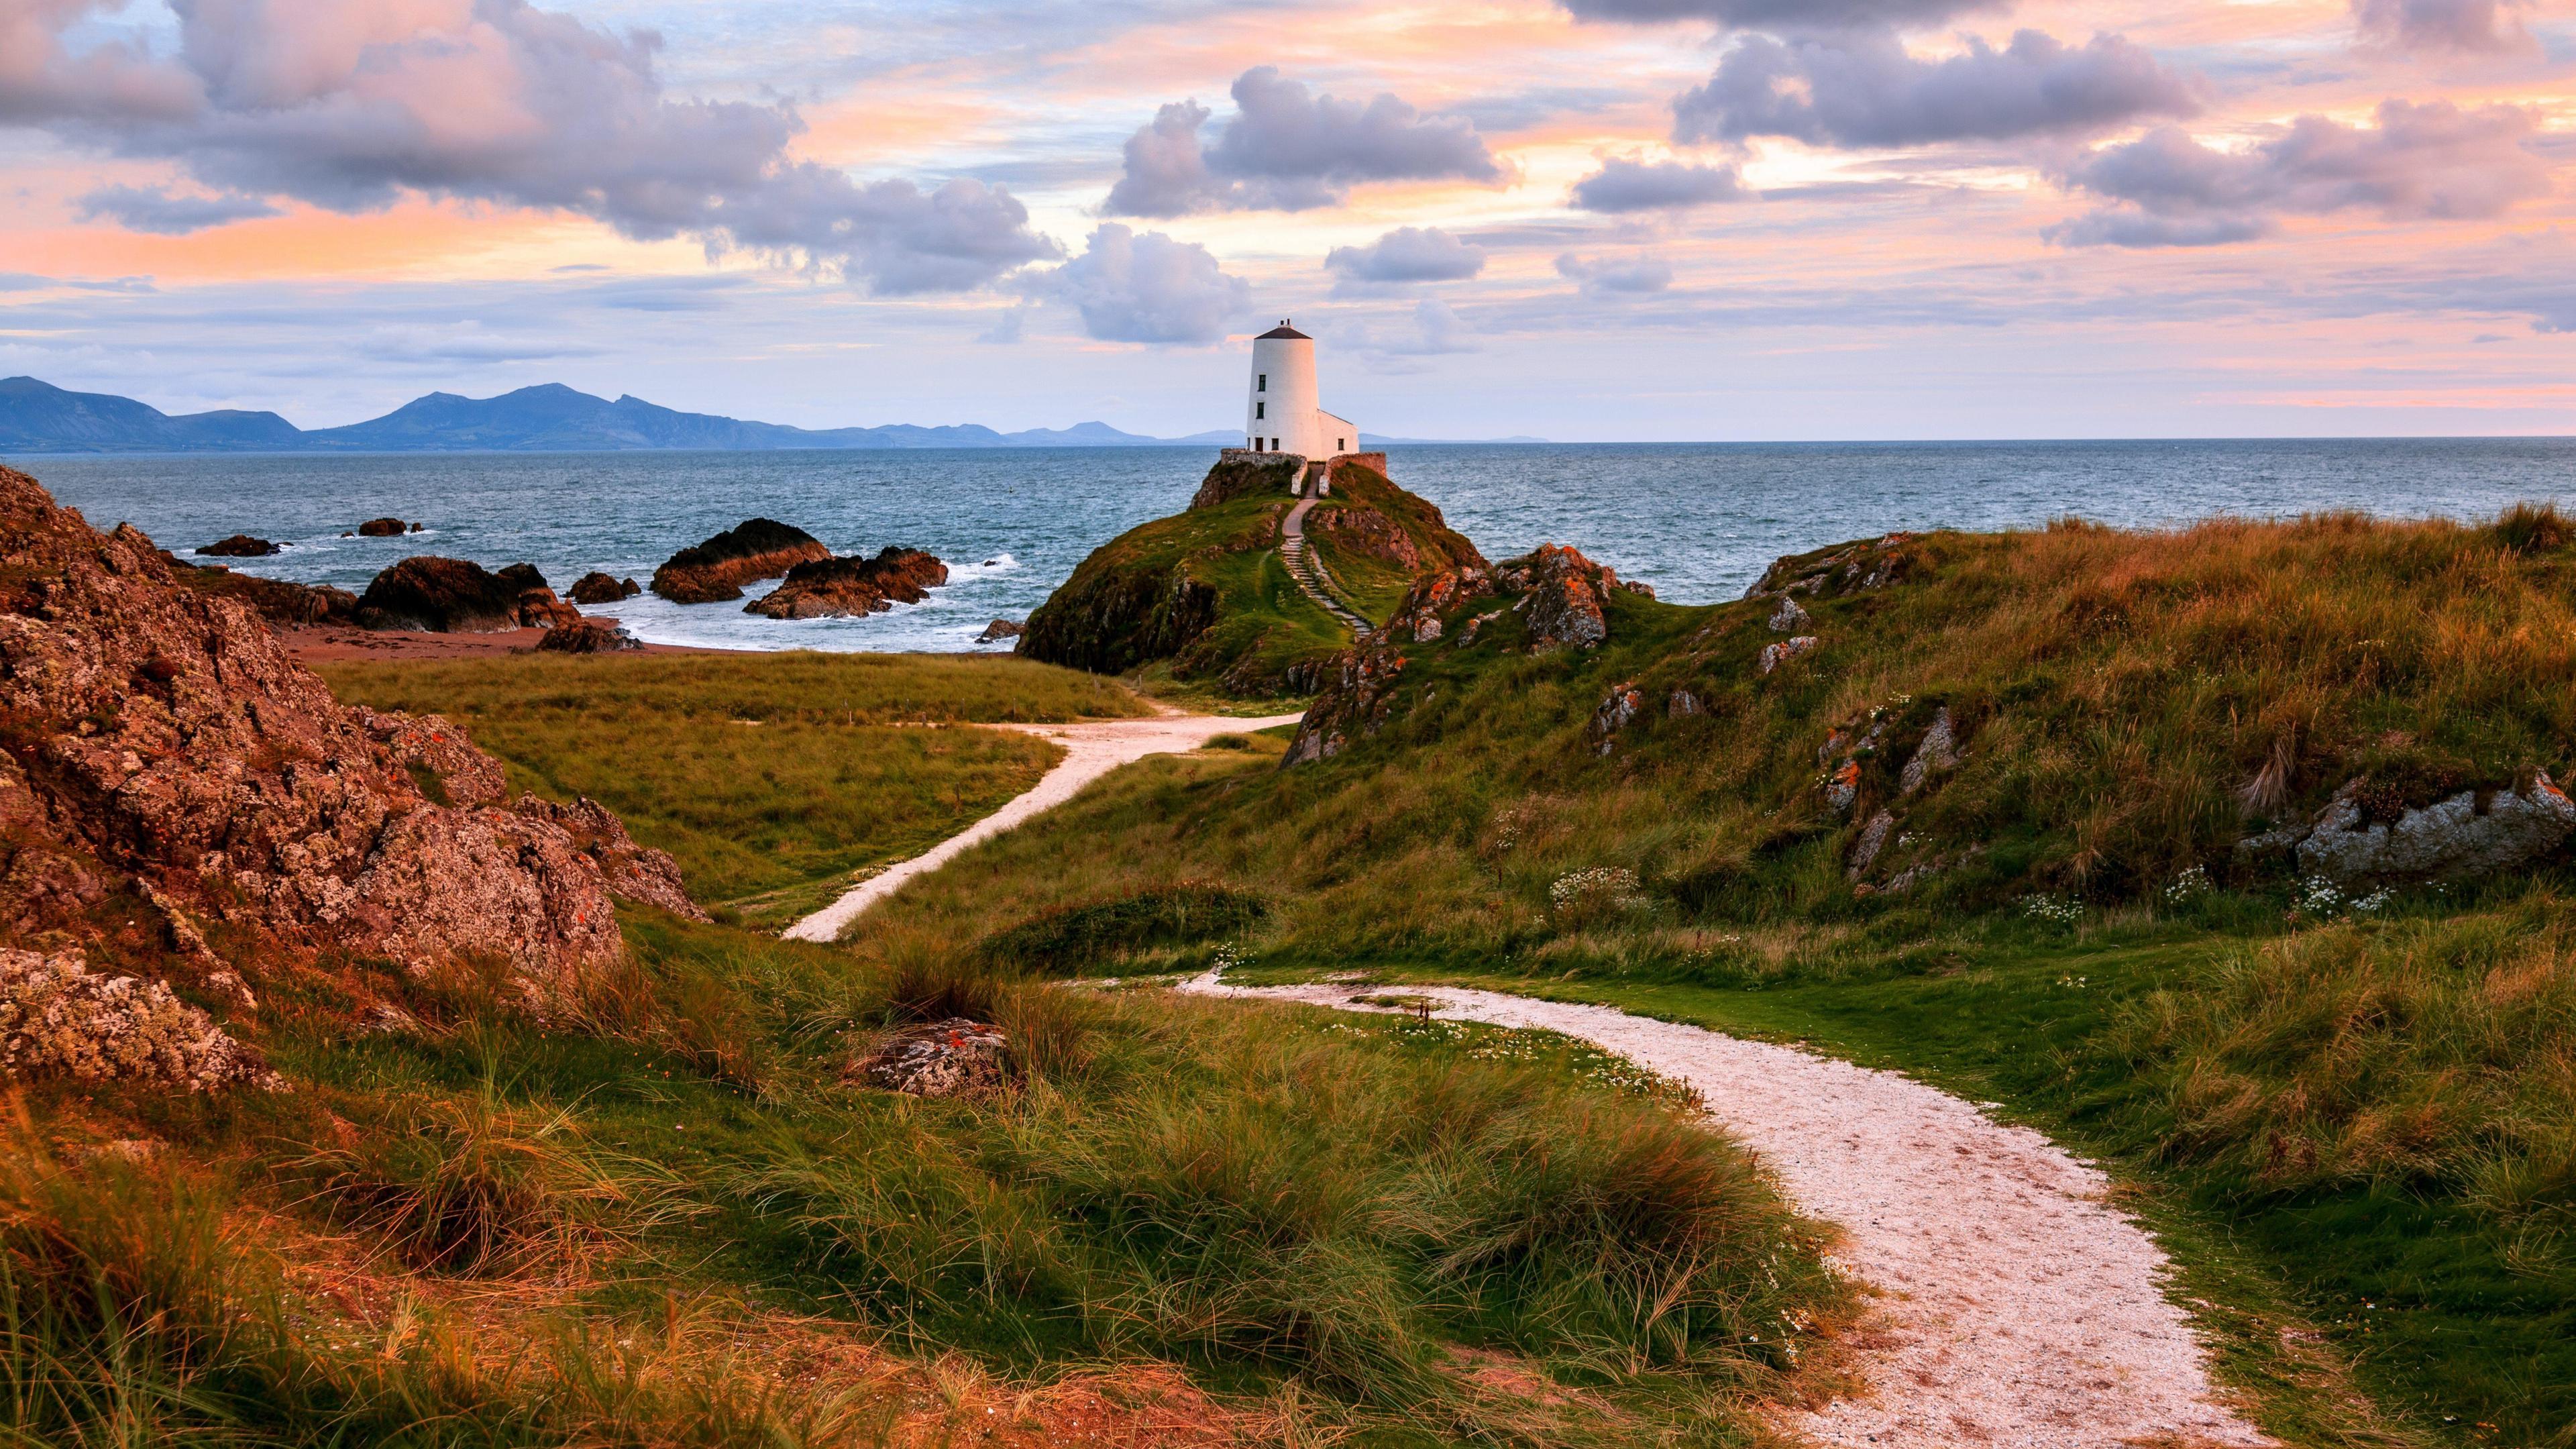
(1220, 593)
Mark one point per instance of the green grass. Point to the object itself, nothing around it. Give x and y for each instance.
(770, 779)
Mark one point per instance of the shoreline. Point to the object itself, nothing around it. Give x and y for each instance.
(342, 644)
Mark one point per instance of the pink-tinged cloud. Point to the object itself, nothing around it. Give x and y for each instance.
(1289, 149)
(350, 107)
(2473, 26)
(2433, 160)
(1149, 288)
(1616, 274)
(1625, 184)
(1780, 15)
(1408, 254)
(1867, 91)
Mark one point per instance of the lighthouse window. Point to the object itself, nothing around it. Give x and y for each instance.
(1341, 445)
(1257, 409)
(1263, 385)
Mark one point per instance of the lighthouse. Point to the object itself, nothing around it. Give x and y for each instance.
(1280, 412)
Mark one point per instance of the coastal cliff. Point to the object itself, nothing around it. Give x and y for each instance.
(1207, 592)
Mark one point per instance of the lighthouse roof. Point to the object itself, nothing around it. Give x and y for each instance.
(1283, 330)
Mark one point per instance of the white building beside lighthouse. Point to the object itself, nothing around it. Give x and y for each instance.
(1281, 413)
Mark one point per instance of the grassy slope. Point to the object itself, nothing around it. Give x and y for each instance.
(2380, 1118)
(1372, 581)
(770, 778)
(658, 1216)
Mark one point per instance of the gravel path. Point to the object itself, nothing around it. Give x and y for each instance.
(2013, 1307)
(1091, 750)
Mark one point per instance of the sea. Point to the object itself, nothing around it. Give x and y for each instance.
(1697, 521)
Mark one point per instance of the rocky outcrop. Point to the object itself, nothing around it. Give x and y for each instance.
(1564, 596)
(1001, 629)
(598, 588)
(1625, 702)
(1234, 478)
(58, 1019)
(161, 744)
(1849, 569)
(440, 596)
(278, 600)
(587, 636)
(941, 1059)
(2464, 836)
(241, 545)
(715, 571)
(1788, 618)
(386, 528)
(831, 588)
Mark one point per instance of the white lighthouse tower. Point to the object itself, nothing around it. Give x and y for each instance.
(1280, 412)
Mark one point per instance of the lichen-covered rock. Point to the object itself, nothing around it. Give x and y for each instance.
(830, 588)
(2465, 836)
(635, 872)
(1615, 713)
(159, 737)
(1681, 704)
(1873, 839)
(715, 570)
(57, 1019)
(1788, 618)
(1563, 596)
(942, 1059)
(1849, 569)
(598, 588)
(1937, 754)
(1356, 700)
(1775, 655)
(440, 596)
(241, 545)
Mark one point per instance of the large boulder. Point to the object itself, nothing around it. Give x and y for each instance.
(441, 596)
(538, 606)
(386, 528)
(587, 636)
(840, 587)
(1565, 596)
(714, 571)
(158, 743)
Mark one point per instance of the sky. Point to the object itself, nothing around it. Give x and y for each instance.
(1612, 220)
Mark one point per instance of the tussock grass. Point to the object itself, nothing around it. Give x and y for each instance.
(770, 778)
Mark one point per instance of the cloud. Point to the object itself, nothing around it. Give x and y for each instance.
(153, 209)
(1149, 288)
(1626, 274)
(2443, 25)
(1866, 91)
(1288, 150)
(1408, 254)
(1627, 184)
(1779, 15)
(2433, 160)
(351, 107)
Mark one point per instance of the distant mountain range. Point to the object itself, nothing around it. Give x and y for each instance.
(38, 417)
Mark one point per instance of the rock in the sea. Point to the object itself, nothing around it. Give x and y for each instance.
(2462, 837)
(279, 600)
(241, 545)
(598, 588)
(386, 528)
(538, 606)
(587, 636)
(164, 743)
(831, 588)
(440, 595)
(1775, 655)
(714, 571)
(1001, 629)
(942, 1059)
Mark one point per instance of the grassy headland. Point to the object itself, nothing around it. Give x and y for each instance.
(2357, 1096)
(1203, 593)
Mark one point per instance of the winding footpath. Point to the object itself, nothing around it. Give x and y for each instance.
(1091, 749)
(2013, 1307)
